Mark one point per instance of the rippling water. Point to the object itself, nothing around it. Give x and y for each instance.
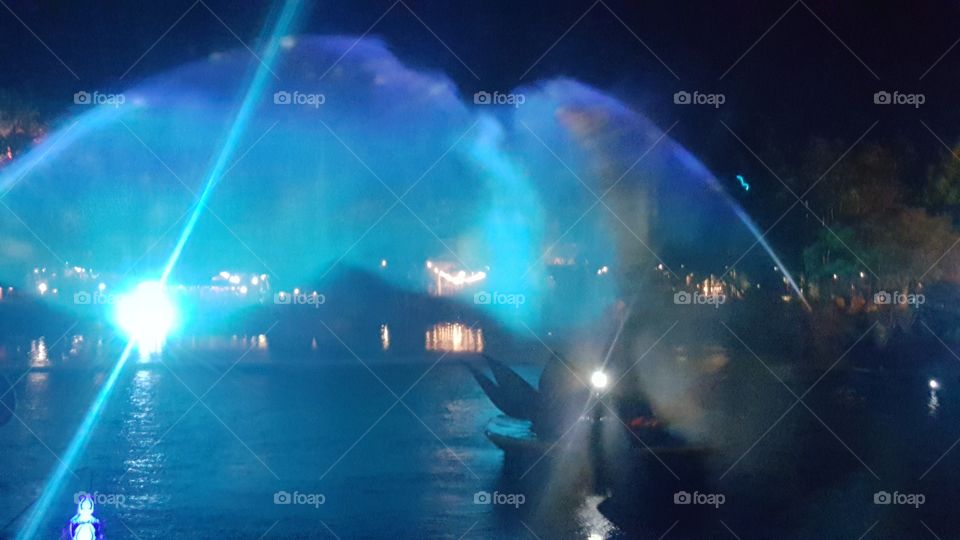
(201, 440)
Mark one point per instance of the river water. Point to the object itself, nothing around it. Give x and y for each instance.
(228, 438)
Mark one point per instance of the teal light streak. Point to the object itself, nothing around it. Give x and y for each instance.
(254, 92)
(77, 444)
(240, 122)
(743, 183)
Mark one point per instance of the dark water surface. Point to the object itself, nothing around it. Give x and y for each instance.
(200, 441)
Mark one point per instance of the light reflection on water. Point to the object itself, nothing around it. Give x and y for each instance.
(385, 337)
(218, 343)
(329, 407)
(593, 522)
(39, 357)
(139, 431)
(76, 344)
(37, 383)
(933, 404)
(454, 337)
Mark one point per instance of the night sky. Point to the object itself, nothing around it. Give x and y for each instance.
(798, 80)
(813, 73)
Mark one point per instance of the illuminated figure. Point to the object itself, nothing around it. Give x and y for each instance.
(85, 525)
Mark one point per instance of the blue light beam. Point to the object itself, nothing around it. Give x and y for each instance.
(240, 122)
(76, 447)
(242, 119)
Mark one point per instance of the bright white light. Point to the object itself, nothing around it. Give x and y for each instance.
(243, 289)
(235, 280)
(599, 380)
(383, 263)
(102, 287)
(934, 384)
(42, 287)
(254, 280)
(461, 277)
(146, 314)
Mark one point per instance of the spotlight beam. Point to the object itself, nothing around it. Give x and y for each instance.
(252, 97)
(76, 447)
(240, 122)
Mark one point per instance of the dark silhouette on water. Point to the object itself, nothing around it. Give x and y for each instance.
(551, 408)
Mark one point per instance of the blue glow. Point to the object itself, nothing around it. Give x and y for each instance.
(302, 189)
(132, 315)
(510, 229)
(252, 97)
(743, 183)
(77, 444)
(147, 314)
(84, 525)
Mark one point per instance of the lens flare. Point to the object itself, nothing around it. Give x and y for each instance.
(599, 380)
(147, 314)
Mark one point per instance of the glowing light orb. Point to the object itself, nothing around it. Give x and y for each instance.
(146, 314)
(934, 384)
(599, 380)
